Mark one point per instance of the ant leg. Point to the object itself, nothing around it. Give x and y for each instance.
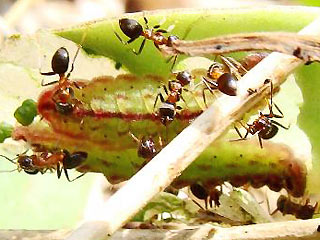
(59, 171)
(76, 54)
(155, 102)
(174, 61)
(279, 124)
(47, 84)
(160, 30)
(278, 116)
(146, 21)
(67, 176)
(238, 131)
(260, 141)
(47, 73)
(134, 137)
(140, 49)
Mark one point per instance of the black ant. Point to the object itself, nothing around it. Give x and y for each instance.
(168, 107)
(64, 97)
(223, 77)
(201, 193)
(133, 29)
(60, 161)
(286, 206)
(264, 125)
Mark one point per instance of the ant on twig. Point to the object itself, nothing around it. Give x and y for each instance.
(59, 161)
(264, 125)
(133, 29)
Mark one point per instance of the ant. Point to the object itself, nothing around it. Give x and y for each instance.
(133, 29)
(201, 193)
(168, 107)
(264, 125)
(146, 148)
(223, 77)
(63, 97)
(286, 206)
(61, 161)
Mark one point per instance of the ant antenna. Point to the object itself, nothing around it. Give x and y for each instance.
(11, 160)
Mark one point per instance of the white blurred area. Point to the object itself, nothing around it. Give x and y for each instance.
(27, 16)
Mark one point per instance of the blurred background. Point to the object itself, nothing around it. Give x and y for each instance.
(43, 201)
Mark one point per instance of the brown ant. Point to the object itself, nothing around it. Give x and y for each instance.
(264, 125)
(63, 97)
(286, 206)
(133, 29)
(168, 107)
(146, 147)
(60, 161)
(201, 193)
(223, 77)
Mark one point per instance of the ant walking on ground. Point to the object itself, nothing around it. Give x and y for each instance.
(264, 125)
(42, 162)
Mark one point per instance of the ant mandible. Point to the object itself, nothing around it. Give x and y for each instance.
(64, 97)
(168, 107)
(133, 29)
(286, 206)
(264, 125)
(60, 161)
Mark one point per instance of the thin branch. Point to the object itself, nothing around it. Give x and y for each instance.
(180, 153)
(292, 230)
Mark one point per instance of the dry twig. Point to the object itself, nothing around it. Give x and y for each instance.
(175, 157)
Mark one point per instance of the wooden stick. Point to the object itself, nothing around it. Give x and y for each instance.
(175, 157)
(292, 230)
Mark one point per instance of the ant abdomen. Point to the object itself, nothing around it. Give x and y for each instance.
(60, 61)
(131, 28)
(227, 84)
(73, 160)
(268, 131)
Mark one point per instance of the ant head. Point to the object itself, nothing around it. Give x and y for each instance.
(167, 112)
(60, 61)
(147, 148)
(130, 27)
(198, 191)
(26, 163)
(184, 77)
(171, 40)
(227, 84)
